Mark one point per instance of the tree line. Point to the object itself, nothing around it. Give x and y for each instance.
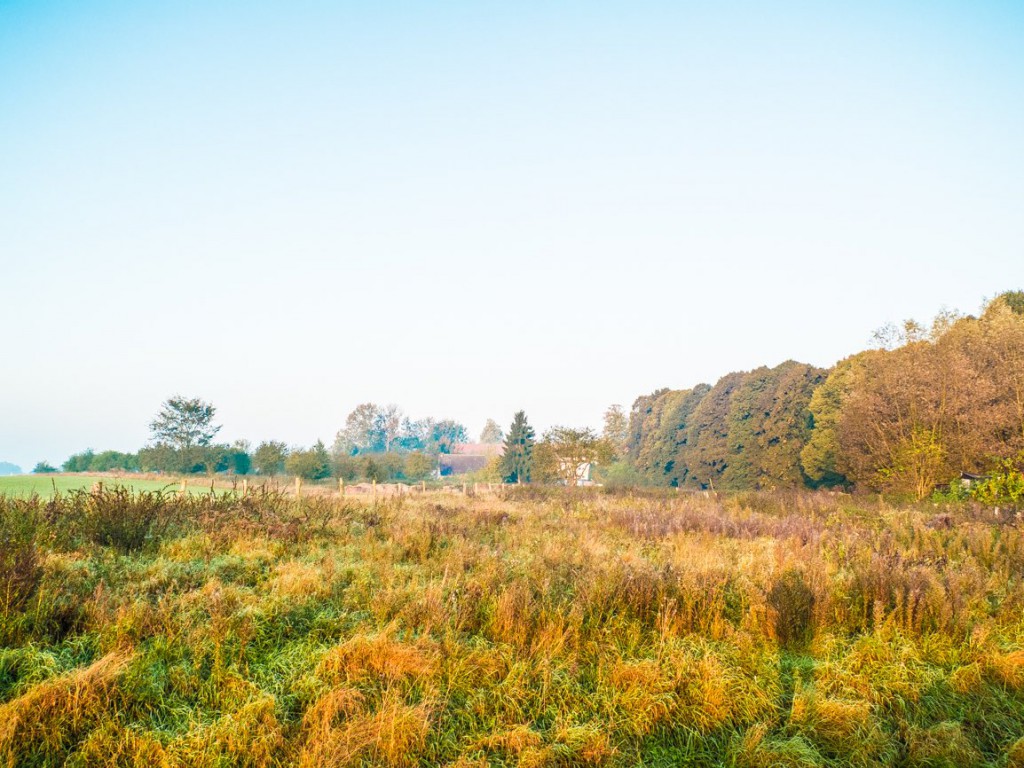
(925, 404)
(376, 443)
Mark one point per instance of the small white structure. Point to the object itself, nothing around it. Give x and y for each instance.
(584, 472)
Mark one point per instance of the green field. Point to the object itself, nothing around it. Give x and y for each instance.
(23, 486)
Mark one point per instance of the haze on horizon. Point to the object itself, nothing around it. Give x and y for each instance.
(290, 209)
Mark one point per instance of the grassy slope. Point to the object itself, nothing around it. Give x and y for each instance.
(544, 629)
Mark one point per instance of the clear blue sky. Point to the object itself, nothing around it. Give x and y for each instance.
(470, 208)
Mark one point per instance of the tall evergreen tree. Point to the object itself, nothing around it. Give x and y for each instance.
(517, 460)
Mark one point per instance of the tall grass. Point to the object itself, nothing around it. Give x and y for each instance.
(543, 628)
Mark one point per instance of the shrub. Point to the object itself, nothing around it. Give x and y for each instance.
(793, 604)
(120, 518)
(1004, 486)
(314, 464)
(20, 570)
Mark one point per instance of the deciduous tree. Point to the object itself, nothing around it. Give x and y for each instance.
(184, 423)
(616, 429)
(312, 464)
(568, 451)
(491, 433)
(361, 431)
(269, 457)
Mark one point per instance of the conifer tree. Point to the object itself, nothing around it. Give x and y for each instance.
(517, 460)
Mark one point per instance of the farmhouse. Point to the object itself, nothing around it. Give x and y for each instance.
(467, 457)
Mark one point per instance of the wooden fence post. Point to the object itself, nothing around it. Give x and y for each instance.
(298, 487)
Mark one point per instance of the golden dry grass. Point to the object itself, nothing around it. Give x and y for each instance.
(544, 628)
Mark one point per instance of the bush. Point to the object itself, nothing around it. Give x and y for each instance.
(1004, 486)
(314, 464)
(20, 570)
(620, 474)
(117, 517)
(793, 603)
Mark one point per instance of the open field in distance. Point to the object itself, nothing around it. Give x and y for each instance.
(45, 484)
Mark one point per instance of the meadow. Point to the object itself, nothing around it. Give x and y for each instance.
(542, 627)
(47, 485)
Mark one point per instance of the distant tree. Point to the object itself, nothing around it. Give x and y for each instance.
(323, 460)
(162, 457)
(936, 403)
(361, 433)
(768, 424)
(214, 458)
(662, 425)
(373, 472)
(391, 466)
(389, 426)
(312, 464)
(43, 468)
(111, 461)
(430, 435)
(269, 457)
(821, 458)
(239, 458)
(348, 468)
(491, 433)
(445, 435)
(616, 429)
(1014, 300)
(620, 474)
(418, 466)
(186, 425)
(220, 457)
(412, 435)
(79, 462)
(517, 460)
(1000, 352)
(568, 450)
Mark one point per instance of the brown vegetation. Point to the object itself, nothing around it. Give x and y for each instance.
(543, 628)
